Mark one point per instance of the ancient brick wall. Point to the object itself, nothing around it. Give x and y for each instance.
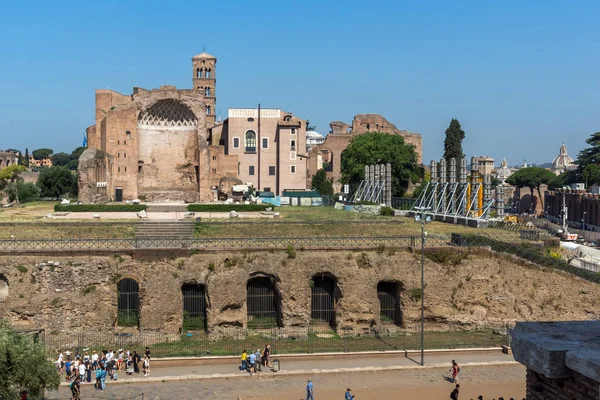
(575, 387)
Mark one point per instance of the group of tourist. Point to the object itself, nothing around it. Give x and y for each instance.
(78, 369)
(254, 361)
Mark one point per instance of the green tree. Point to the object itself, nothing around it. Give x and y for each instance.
(453, 142)
(26, 161)
(531, 177)
(321, 184)
(60, 159)
(380, 148)
(426, 179)
(564, 179)
(591, 155)
(57, 182)
(75, 154)
(24, 365)
(22, 191)
(11, 174)
(40, 154)
(591, 174)
(72, 165)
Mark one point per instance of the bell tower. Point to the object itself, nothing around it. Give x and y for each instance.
(204, 81)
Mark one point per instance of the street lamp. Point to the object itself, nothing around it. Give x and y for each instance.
(583, 221)
(423, 220)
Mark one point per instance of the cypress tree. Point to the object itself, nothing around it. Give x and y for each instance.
(27, 157)
(453, 142)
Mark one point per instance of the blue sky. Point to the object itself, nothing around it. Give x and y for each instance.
(521, 76)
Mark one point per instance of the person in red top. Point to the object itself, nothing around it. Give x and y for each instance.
(24, 395)
(455, 370)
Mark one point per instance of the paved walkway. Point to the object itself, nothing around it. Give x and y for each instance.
(193, 369)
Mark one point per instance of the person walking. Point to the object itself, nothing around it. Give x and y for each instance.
(258, 363)
(81, 372)
(455, 370)
(146, 365)
(310, 391)
(266, 355)
(348, 396)
(244, 357)
(251, 362)
(102, 378)
(136, 359)
(75, 388)
(454, 394)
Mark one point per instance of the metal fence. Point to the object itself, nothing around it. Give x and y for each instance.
(403, 203)
(295, 340)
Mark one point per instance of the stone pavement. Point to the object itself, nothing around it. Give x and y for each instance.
(195, 369)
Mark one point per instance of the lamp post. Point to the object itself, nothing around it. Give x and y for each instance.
(583, 221)
(421, 218)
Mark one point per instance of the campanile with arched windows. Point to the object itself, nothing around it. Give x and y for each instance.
(204, 81)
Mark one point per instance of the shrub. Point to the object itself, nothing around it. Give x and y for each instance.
(99, 207)
(25, 191)
(22, 269)
(415, 294)
(291, 253)
(387, 211)
(228, 207)
(446, 256)
(192, 323)
(89, 289)
(127, 318)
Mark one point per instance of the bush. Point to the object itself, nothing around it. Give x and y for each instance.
(228, 207)
(99, 207)
(446, 256)
(128, 318)
(291, 253)
(26, 191)
(387, 211)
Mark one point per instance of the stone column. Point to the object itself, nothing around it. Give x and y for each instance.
(388, 184)
(433, 181)
(442, 175)
(499, 202)
(452, 185)
(474, 179)
(376, 184)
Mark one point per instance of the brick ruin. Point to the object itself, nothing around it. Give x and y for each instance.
(340, 136)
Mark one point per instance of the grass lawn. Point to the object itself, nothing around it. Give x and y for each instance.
(31, 211)
(198, 344)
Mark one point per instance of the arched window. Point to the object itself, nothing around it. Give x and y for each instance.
(208, 72)
(322, 307)
(287, 118)
(198, 73)
(250, 142)
(262, 303)
(207, 110)
(128, 303)
(389, 302)
(194, 307)
(207, 92)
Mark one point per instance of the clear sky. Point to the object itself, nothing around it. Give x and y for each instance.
(521, 76)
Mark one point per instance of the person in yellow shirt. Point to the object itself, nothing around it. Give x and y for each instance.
(244, 362)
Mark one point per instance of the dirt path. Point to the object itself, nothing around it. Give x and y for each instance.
(491, 382)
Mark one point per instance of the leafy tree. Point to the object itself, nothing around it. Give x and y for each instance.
(564, 179)
(57, 182)
(77, 152)
(26, 161)
(60, 159)
(11, 174)
(591, 155)
(72, 165)
(40, 154)
(22, 191)
(591, 174)
(24, 365)
(380, 148)
(453, 142)
(321, 184)
(426, 179)
(531, 177)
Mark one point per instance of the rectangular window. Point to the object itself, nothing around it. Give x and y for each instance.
(267, 189)
(236, 142)
(118, 155)
(118, 169)
(272, 170)
(292, 155)
(118, 142)
(214, 158)
(265, 143)
(292, 169)
(124, 141)
(251, 170)
(125, 169)
(128, 134)
(293, 145)
(293, 131)
(214, 171)
(124, 155)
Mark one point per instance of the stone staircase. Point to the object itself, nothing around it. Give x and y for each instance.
(164, 229)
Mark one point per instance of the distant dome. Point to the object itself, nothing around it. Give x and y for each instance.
(562, 161)
(503, 172)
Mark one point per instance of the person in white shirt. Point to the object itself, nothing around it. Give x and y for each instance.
(94, 360)
(60, 362)
(82, 372)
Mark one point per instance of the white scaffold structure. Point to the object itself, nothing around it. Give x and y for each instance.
(466, 201)
(376, 186)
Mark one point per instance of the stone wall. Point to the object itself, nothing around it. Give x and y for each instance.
(80, 292)
(575, 387)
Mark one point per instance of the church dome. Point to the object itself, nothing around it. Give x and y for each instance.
(562, 161)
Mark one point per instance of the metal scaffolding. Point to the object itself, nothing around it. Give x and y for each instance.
(468, 201)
